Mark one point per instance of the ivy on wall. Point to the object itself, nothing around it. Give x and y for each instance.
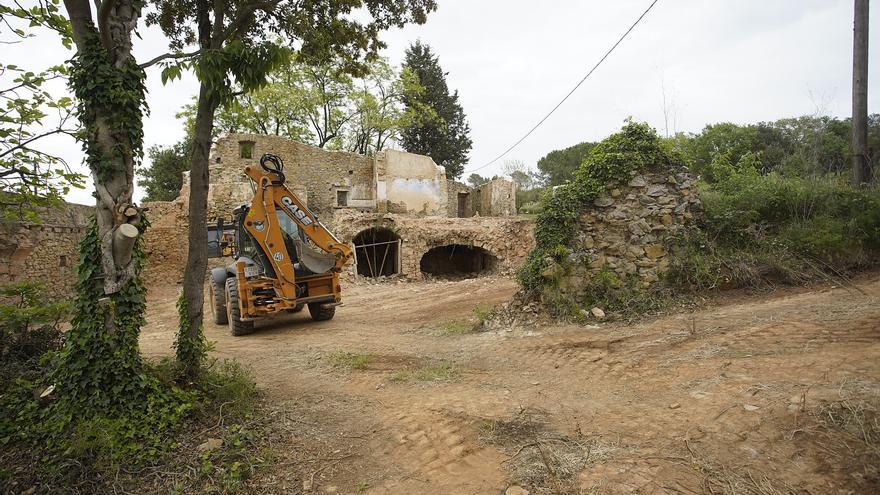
(612, 162)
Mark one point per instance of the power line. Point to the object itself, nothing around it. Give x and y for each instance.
(514, 145)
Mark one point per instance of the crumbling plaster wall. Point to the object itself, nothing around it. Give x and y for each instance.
(410, 183)
(509, 239)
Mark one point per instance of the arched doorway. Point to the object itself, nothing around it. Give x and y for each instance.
(457, 260)
(377, 252)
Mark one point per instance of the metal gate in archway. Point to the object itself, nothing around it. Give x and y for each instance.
(377, 252)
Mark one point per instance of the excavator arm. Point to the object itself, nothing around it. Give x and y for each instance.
(273, 197)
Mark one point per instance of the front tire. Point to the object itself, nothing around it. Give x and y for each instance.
(218, 303)
(320, 313)
(233, 310)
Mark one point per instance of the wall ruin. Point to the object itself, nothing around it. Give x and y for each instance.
(47, 252)
(336, 185)
(508, 239)
(626, 231)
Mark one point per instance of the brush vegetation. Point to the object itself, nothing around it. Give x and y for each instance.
(777, 209)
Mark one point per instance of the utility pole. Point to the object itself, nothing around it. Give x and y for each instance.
(861, 165)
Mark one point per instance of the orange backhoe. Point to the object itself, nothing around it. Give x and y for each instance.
(284, 257)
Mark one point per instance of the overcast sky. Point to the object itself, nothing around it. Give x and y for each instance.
(737, 61)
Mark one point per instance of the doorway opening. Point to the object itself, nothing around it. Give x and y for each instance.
(377, 252)
(457, 260)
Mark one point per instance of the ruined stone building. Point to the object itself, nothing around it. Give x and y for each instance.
(398, 209)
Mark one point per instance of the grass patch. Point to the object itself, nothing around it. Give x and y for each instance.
(480, 315)
(443, 371)
(349, 360)
(456, 327)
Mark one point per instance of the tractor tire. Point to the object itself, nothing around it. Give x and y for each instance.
(218, 303)
(296, 309)
(321, 314)
(233, 310)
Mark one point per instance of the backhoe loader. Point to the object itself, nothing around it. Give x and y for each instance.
(277, 264)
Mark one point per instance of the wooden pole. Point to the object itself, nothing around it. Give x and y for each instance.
(861, 165)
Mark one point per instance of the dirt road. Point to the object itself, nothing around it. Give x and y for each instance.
(775, 394)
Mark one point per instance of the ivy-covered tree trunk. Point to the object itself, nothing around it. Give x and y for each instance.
(100, 366)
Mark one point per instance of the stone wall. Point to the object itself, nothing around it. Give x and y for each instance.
(496, 198)
(626, 231)
(47, 252)
(458, 192)
(509, 239)
(317, 175)
(165, 242)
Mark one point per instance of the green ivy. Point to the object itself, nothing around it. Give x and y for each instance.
(118, 93)
(612, 162)
(101, 402)
(101, 385)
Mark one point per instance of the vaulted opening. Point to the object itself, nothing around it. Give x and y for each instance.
(377, 252)
(457, 260)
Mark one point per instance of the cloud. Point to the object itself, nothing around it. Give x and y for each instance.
(512, 61)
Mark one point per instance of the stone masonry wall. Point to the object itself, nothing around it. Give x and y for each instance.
(316, 173)
(47, 252)
(626, 231)
(496, 198)
(165, 242)
(509, 239)
(453, 189)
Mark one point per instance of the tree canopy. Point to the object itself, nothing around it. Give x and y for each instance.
(322, 105)
(559, 166)
(164, 177)
(30, 176)
(441, 130)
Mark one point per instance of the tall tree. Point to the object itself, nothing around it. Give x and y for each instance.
(323, 106)
(379, 115)
(237, 47)
(99, 371)
(442, 133)
(30, 176)
(559, 166)
(861, 161)
(164, 177)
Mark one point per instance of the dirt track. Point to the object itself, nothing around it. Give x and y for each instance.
(770, 394)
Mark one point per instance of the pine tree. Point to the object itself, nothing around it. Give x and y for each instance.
(440, 129)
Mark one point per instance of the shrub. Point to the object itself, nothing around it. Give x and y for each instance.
(763, 229)
(29, 325)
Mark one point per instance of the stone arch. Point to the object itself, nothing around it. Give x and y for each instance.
(457, 260)
(377, 252)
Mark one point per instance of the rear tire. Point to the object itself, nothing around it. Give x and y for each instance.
(233, 310)
(321, 314)
(218, 303)
(296, 309)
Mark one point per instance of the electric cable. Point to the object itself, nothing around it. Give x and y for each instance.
(514, 145)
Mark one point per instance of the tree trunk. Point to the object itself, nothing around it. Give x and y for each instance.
(861, 165)
(100, 365)
(197, 252)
